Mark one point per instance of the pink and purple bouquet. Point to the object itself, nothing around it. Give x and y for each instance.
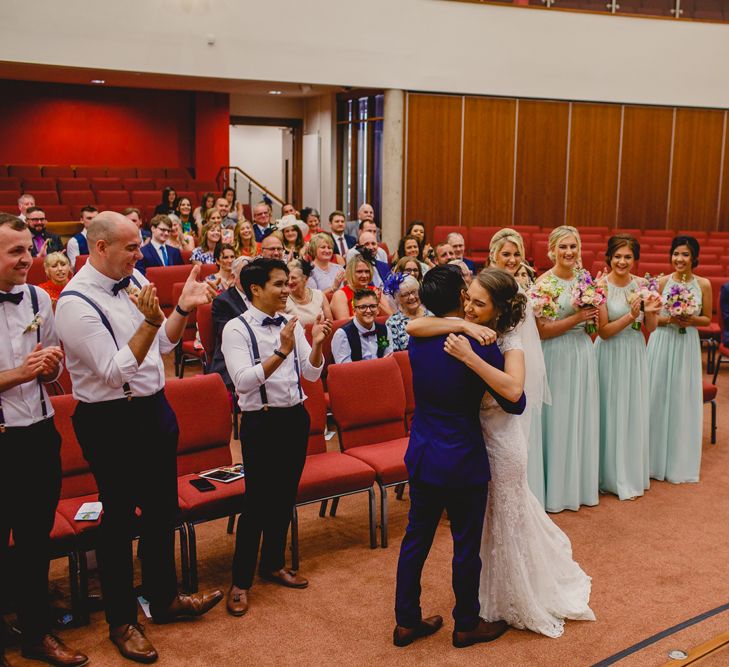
(543, 297)
(680, 302)
(646, 289)
(586, 293)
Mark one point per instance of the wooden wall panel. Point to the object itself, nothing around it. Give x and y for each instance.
(433, 164)
(593, 172)
(724, 203)
(541, 163)
(488, 162)
(696, 167)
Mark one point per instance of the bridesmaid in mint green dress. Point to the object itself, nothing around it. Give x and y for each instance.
(623, 374)
(570, 428)
(674, 369)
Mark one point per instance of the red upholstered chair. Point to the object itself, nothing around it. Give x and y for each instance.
(132, 184)
(8, 183)
(205, 327)
(9, 198)
(58, 171)
(164, 277)
(24, 170)
(36, 273)
(203, 186)
(186, 255)
(203, 414)
(150, 172)
(371, 423)
(113, 198)
(403, 361)
(440, 233)
(178, 172)
(121, 172)
(328, 475)
(479, 242)
(57, 212)
(710, 391)
(176, 183)
(146, 197)
(38, 183)
(80, 261)
(186, 353)
(78, 197)
(91, 172)
(43, 197)
(106, 184)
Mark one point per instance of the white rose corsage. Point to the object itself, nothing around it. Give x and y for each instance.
(34, 324)
(132, 290)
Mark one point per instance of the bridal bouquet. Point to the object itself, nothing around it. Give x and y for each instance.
(646, 289)
(543, 297)
(586, 293)
(680, 302)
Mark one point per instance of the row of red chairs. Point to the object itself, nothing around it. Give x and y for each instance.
(108, 197)
(13, 184)
(68, 171)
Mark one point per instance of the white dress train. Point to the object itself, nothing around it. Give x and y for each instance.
(528, 577)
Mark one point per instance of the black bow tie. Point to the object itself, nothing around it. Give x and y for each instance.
(15, 298)
(121, 285)
(273, 321)
(367, 334)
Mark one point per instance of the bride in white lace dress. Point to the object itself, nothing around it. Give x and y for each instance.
(528, 576)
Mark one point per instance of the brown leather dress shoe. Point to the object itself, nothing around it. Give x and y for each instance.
(483, 632)
(52, 650)
(406, 636)
(237, 603)
(285, 577)
(4, 662)
(188, 606)
(132, 643)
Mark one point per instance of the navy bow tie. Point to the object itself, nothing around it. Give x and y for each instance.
(273, 321)
(15, 298)
(367, 334)
(121, 285)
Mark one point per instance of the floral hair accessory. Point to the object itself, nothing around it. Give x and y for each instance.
(392, 283)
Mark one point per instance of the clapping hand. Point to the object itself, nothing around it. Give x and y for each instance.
(41, 362)
(338, 280)
(635, 308)
(147, 303)
(457, 346)
(482, 334)
(321, 329)
(196, 293)
(653, 304)
(287, 335)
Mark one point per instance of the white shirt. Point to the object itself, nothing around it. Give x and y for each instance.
(157, 247)
(282, 387)
(381, 254)
(343, 353)
(72, 249)
(339, 241)
(21, 403)
(98, 370)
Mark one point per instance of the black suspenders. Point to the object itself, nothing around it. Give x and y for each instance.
(257, 360)
(44, 407)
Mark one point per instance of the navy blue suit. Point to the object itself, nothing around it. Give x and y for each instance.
(150, 257)
(724, 311)
(226, 306)
(448, 469)
(351, 241)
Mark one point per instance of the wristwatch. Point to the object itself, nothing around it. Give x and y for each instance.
(278, 353)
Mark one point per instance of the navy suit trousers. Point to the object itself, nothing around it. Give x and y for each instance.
(466, 508)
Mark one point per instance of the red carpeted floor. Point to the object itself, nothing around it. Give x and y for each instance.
(655, 562)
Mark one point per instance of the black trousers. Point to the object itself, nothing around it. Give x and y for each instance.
(274, 452)
(30, 460)
(131, 447)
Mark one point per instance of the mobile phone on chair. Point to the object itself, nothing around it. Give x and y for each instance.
(202, 485)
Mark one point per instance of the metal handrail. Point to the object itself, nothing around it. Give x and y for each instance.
(222, 178)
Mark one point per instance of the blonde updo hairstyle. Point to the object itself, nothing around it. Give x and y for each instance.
(557, 234)
(505, 235)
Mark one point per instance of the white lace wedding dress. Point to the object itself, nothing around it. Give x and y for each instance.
(528, 577)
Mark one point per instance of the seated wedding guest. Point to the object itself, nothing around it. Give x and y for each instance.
(313, 222)
(326, 275)
(206, 203)
(25, 201)
(409, 246)
(261, 220)
(359, 276)
(417, 229)
(465, 271)
(224, 279)
(178, 238)
(29, 443)
(58, 272)
(371, 252)
(342, 242)
(168, 203)
(405, 290)
(43, 241)
(244, 240)
(362, 338)
(209, 239)
(226, 220)
(456, 241)
(271, 399)
(290, 209)
(367, 238)
(307, 303)
(365, 213)
(411, 266)
(272, 246)
(157, 252)
(183, 213)
(525, 276)
(443, 254)
(77, 244)
(235, 207)
(293, 232)
(135, 215)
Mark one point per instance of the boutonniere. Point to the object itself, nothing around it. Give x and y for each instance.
(382, 342)
(34, 324)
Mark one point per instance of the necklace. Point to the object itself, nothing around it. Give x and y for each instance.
(308, 295)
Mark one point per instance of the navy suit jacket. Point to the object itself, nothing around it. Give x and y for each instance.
(724, 308)
(226, 306)
(349, 240)
(150, 257)
(446, 445)
(260, 235)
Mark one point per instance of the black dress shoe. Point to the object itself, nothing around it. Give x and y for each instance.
(52, 650)
(406, 636)
(132, 643)
(483, 632)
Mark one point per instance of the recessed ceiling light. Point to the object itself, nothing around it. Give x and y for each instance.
(275, 92)
(98, 82)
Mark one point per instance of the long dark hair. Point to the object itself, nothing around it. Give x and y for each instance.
(509, 302)
(401, 247)
(170, 208)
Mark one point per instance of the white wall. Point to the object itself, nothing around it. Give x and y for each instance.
(321, 120)
(258, 151)
(268, 106)
(428, 45)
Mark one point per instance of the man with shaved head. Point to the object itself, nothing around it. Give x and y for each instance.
(115, 333)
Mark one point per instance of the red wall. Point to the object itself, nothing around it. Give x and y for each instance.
(43, 123)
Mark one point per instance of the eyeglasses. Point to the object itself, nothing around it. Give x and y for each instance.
(164, 230)
(275, 249)
(365, 307)
(410, 272)
(407, 295)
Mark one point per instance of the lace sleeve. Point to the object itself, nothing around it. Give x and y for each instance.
(511, 340)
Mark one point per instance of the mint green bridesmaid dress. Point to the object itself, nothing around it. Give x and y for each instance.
(622, 369)
(676, 399)
(570, 425)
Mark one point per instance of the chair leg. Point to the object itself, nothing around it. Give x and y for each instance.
(373, 517)
(294, 539)
(323, 508)
(184, 561)
(717, 366)
(713, 422)
(335, 504)
(192, 549)
(74, 585)
(83, 571)
(399, 490)
(231, 524)
(383, 516)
